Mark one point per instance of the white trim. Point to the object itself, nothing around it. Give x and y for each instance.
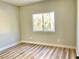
(56, 45)
(8, 46)
(77, 48)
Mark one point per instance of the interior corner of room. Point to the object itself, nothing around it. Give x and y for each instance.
(16, 24)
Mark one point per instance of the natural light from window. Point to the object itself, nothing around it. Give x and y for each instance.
(44, 22)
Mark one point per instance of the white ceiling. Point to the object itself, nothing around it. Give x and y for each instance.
(21, 2)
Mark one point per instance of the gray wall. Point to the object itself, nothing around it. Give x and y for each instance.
(9, 26)
(65, 16)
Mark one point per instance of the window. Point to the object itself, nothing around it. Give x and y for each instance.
(44, 22)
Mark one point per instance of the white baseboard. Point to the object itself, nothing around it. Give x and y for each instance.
(56, 45)
(8, 46)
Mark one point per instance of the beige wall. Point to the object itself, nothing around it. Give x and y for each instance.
(9, 33)
(65, 16)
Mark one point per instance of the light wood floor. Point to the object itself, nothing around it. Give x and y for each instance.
(32, 51)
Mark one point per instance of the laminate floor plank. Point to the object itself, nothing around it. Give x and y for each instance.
(72, 54)
(67, 55)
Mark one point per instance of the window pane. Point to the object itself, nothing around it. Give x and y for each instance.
(49, 22)
(52, 21)
(37, 22)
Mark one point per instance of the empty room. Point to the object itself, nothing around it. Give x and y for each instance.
(39, 29)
